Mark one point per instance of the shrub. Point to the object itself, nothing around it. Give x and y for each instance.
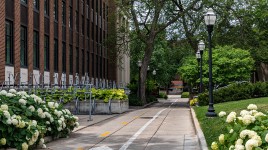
(134, 100)
(151, 98)
(236, 91)
(26, 119)
(185, 95)
(193, 102)
(247, 131)
(162, 95)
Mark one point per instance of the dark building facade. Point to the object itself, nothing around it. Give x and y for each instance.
(52, 41)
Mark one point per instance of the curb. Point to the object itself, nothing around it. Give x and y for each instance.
(200, 135)
(149, 104)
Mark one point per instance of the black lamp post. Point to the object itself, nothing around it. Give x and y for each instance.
(139, 86)
(201, 48)
(198, 58)
(210, 19)
(154, 73)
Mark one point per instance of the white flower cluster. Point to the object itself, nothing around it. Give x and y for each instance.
(36, 110)
(248, 139)
(37, 99)
(221, 138)
(4, 107)
(252, 107)
(222, 114)
(22, 101)
(12, 91)
(34, 138)
(3, 92)
(3, 141)
(53, 104)
(247, 117)
(231, 117)
(239, 145)
(254, 139)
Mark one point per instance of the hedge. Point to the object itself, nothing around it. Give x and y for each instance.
(236, 91)
(185, 95)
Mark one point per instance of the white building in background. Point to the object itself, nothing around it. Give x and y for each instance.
(123, 57)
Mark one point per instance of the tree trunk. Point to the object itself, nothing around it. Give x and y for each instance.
(262, 72)
(143, 71)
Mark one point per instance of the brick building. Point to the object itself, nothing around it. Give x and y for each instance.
(52, 41)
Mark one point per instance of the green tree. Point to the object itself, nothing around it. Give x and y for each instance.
(229, 65)
(150, 18)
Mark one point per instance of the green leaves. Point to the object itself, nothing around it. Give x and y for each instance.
(229, 65)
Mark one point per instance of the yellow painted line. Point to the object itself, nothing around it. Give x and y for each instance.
(124, 123)
(80, 148)
(105, 134)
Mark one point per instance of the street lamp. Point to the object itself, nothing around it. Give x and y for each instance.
(154, 72)
(210, 19)
(201, 48)
(139, 86)
(198, 58)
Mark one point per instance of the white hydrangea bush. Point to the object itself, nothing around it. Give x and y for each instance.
(26, 119)
(248, 131)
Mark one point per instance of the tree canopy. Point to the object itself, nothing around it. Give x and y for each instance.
(229, 65)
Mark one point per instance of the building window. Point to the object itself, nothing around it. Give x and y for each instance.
(77, 60)
(9, 43)
(71, 58)
(83, 25)
(87, 67)
(93, 64)
(46, 10)
(56, 10)
(97, 66)
(97, 39)
(83, 62)
(36, 4)
(56, 54)
(63, 13)
(23, 46)
(92, 31)
(46, 53)
(77, 21)
(36, 50)
(23, 1)
(101, 9)
(77, 4)
(71, 18)
(63, 57)
(96, 6)
(88, 28)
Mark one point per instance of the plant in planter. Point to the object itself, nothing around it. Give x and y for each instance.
(26, 119)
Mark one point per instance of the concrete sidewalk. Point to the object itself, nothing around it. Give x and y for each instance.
(173, 129)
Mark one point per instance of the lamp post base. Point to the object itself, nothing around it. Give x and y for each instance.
(211, 114)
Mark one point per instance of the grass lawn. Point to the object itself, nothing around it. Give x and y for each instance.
(213, 127)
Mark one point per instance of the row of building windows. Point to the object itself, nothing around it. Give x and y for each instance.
(36, 52)
(46, 8)
(98, 24)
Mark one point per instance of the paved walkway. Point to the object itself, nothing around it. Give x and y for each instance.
(165, 125)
